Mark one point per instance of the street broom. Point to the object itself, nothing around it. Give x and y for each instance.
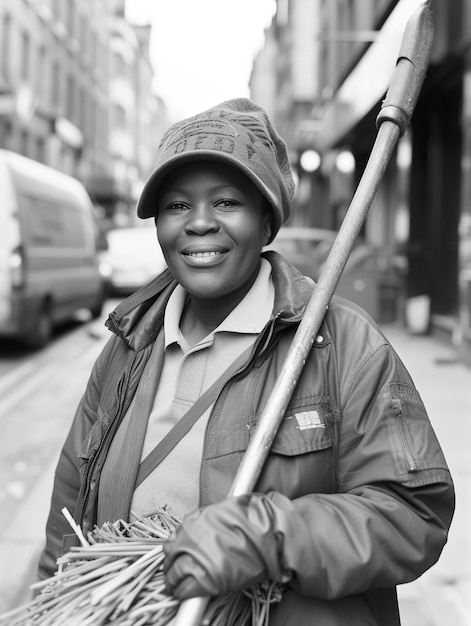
(116, 577)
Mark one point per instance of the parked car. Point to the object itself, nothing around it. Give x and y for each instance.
(308, 248)
(49, 266)
(132, 259)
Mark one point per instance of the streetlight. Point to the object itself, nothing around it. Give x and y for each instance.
(345, 162)
(310, 161)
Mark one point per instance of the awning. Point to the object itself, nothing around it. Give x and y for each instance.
(367, 84)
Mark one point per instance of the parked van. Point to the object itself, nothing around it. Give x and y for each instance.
(49, 266)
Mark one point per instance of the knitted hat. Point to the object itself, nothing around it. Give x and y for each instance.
(236, 132)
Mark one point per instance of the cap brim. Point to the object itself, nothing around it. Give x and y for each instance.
(147, 202)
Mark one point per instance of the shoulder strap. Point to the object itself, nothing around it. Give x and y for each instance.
(166, 445)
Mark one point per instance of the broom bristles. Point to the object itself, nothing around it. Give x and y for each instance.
(116, 577)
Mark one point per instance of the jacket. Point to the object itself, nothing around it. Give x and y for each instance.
(356, 453)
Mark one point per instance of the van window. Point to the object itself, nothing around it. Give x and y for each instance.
(48, 223)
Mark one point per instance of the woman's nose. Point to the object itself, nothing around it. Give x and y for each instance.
(201, 220)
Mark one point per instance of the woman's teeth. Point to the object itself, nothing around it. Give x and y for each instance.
(203, 254)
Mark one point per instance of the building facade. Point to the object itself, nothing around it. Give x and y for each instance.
(420, 220)
(75, 94)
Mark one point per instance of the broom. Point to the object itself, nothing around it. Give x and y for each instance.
(116, 577)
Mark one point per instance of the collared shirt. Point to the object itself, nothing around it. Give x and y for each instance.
(186, 373)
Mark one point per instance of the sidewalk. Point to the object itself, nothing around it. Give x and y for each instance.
(443, 594)
(22, 537)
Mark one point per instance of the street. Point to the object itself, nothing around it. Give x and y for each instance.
(38, 396)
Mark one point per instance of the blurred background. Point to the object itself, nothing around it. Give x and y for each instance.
(87, 88)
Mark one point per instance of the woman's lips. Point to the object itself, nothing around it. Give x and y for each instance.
(198, 258)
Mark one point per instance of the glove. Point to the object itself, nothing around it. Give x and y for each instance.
(229, 546)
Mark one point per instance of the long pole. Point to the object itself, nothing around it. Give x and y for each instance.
(392, 121)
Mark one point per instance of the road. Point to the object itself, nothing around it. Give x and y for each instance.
(38, 396)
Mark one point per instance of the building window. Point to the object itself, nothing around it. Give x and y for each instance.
(118, 117)
(5, 133)
(70, 18)
(101, 56)
(92, 120)
(81, 114)
(24, 142)
(93, 48)
(103, 119)
(41, 72)
(119, 66)
(40, 150)
(70, 95)
(55, 86)
(56, 9)
(6, 46)
(25, 55)
(82, 36)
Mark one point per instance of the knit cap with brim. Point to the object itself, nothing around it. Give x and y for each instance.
(238, 132)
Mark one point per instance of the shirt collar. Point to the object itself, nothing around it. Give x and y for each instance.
(249, 316)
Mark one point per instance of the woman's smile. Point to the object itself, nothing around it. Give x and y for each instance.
(204, 256)
(212, 224)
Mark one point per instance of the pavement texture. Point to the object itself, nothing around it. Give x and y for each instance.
(441, 596)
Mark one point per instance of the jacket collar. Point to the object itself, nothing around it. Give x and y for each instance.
(292, 289)
(139, 318)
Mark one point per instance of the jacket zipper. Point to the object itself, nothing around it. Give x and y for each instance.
(404, 436)
(121, 387)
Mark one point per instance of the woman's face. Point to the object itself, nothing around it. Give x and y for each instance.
(212, 224)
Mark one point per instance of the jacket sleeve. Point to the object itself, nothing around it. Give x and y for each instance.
(388, 522)
(67, 479)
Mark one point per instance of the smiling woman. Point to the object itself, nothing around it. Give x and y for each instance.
(355, 496)
(212, 223)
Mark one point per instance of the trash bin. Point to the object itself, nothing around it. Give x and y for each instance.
(417, 314)
(390, 298)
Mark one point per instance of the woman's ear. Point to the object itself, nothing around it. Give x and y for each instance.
(266, 229)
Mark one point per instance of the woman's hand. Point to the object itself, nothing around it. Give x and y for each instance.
(227, 546)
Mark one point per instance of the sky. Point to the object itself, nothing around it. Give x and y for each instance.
(202, 50)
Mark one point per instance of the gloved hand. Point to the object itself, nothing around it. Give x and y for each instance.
(229, 546)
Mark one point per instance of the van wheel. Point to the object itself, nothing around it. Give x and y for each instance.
(97, 309)
(41, 333)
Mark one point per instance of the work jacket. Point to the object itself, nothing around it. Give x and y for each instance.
(356, 453)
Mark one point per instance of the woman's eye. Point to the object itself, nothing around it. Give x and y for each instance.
(176, 207)
(227, 204)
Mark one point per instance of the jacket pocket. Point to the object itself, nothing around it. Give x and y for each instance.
(302, 458)
(307, 427)
(417, 450)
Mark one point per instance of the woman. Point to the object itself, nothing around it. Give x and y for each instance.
(355, 497)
